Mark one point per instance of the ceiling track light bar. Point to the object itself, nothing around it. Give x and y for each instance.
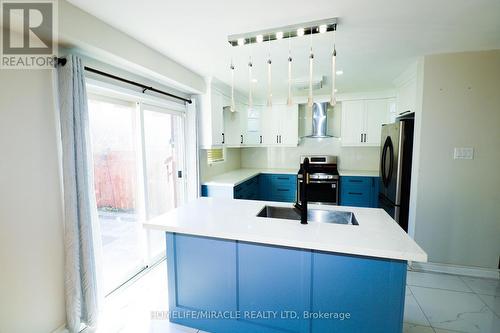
(289, 31)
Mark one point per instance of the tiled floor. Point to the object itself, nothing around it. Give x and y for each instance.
(435, 303)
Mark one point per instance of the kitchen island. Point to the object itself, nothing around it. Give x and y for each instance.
(231, 271)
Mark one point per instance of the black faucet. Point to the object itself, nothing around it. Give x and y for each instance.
(302, 197)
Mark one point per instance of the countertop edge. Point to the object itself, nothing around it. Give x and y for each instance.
(252, 173)
(420, 257)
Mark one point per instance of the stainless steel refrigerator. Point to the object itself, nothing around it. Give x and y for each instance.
(395, 169)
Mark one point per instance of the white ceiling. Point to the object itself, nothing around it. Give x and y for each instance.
(376, 39)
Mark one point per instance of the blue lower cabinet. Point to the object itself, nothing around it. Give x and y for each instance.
(267, 187)
(359, 191)
(217, 191)
(283, 188)
(223, 286)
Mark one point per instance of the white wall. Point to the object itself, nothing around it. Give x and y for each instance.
(31, 229)
(232, 161)
(457, 214)
(97, 39)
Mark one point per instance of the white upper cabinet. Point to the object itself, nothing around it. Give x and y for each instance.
(377, 113)
(246, 127)
(211, 119)
(353, 122)
(232, 128)
(362, 121)
(407, 95)
(289, 125)
(280, 125)
(251, 125)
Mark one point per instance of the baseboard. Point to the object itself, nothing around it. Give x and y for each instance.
(488, 273)
(61, 329)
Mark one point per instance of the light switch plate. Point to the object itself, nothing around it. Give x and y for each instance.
(466, 153)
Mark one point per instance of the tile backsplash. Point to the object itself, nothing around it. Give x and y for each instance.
(349, 158)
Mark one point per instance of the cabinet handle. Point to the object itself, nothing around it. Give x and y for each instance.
(223, 138)
(277, 139)
(261, 139)
(364, 137)
(361, 137)
(355, 181)
(241, 139)
(283, 178)
(355, 193)
(283, 190)
(280, 138)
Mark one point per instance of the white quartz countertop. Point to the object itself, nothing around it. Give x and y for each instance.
(236, 177)
(359, 173)
(377, 234)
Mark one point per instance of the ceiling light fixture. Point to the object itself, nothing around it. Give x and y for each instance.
(339, 72)
(290, 31)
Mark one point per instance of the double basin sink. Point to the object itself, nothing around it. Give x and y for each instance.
(313, 215)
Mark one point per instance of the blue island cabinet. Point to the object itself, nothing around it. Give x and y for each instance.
(219, 285)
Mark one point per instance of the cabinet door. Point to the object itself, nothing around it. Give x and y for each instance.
(270, 124)
(289, 124)
(377, 113)
(232, 127)
(217, 106)
(353, 123)
(251, 125)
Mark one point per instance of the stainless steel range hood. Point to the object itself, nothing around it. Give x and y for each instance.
(319, 120)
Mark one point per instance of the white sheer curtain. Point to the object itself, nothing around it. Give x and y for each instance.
(81, 234)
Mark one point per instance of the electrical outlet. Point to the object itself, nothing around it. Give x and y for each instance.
(463, 153)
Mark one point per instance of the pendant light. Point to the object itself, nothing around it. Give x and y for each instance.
(233, 104)
(311, 63)
(269, 83)
(333, 98)
(250, 84)
(289, 99)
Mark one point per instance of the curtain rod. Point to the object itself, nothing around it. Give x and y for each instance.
(62, 62)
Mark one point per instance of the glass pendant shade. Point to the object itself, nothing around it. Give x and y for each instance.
(311, 63)
(250, 84)
(269, 83)
(289, 99)
(333, 99)
(233, 104)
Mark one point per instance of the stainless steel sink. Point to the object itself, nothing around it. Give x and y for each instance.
(313, 215)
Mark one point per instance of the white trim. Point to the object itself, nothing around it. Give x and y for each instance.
(488, 273)
(112, 90)
(61, 329)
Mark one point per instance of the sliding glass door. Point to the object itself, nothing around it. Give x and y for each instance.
(163, 164)
(138, 163)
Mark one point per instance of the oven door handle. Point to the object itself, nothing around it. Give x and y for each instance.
(311, 181)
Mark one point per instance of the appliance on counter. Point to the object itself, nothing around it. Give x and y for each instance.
(323, 187)
(395, 169)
